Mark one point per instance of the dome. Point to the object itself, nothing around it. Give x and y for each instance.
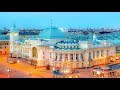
(14, 29)
(52, 33)
(66, 70)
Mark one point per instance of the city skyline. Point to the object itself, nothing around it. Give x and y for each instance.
(60, 19)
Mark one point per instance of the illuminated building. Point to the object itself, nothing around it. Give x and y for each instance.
(107, 71)
(53, 47)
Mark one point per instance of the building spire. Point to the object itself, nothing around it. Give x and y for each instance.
(14, 24)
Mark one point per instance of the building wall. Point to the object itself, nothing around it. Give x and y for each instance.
(86, 62)
(4, 47)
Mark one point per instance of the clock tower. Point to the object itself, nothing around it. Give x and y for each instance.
(14, 38)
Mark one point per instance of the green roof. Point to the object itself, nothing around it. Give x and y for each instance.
(52, 33)
(14, 29)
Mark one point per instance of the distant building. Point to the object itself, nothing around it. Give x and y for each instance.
(107, 71)
(4, 44)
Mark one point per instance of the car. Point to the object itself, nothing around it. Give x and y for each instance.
(12, 62)
(9, 70)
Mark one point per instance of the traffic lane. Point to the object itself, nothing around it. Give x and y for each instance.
(3, 76)
(86, 73)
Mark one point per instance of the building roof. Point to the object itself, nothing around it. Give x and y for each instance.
(114, 67)
(4, 37)
(14, 29)
(29, 32)
(52, 33)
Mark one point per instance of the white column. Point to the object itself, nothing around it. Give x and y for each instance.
(99, 53)
(68, 56)
(58, 54)
(85, 56)
(95, 54)
(74, 57)
(91, 55)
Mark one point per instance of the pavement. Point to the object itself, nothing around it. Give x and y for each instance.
(22, 70)
(25, 70)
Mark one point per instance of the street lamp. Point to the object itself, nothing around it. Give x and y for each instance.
(18, 61)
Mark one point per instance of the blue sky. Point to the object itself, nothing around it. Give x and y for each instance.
(60, 19)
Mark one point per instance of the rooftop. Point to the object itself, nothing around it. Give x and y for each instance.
(52, 33)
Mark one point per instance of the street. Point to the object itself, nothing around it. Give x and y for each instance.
(24, 70)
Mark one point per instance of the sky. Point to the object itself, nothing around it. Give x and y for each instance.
(60, 19)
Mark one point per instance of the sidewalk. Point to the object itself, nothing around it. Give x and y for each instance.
(26, 68)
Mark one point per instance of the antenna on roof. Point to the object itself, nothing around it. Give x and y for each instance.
(51, 23)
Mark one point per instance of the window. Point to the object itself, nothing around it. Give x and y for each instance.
(81, 56)
(101, 53)
(43, 55)
(77, 65)
(107, 52)
(50, 55)
(90, 56)
(97, 54)
(67, 46)
(71, 57)
(77, 57)
(60, 57)
(66, 56)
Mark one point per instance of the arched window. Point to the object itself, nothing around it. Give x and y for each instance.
(60, 57)
(34, 52)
